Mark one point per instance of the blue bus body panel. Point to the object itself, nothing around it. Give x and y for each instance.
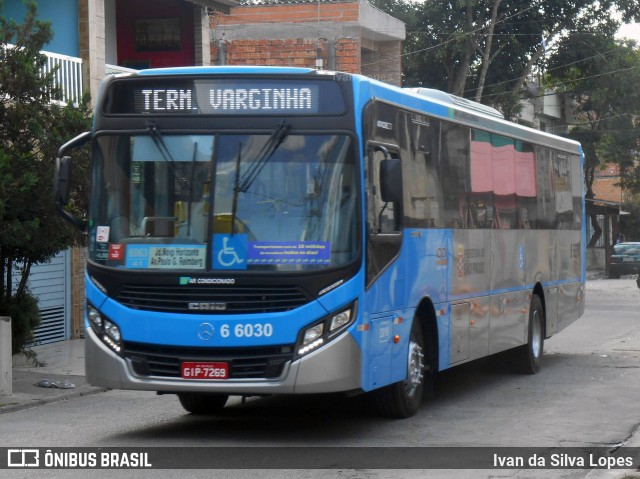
(181, 329)
(368, 90)
(419, 272)
(584, 225)
(439, 265)
(177, 329)
(343, 294)
(222, 70)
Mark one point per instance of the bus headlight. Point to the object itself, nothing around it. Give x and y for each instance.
(340, 320)
(106, 330)
(320, 333)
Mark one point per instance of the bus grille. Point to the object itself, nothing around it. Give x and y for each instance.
(244, 363)
(218, 300)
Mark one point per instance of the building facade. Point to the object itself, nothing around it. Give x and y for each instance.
(341, 35)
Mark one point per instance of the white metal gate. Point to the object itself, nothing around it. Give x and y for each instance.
(49, 282)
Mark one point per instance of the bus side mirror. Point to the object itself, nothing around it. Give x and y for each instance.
(390, 180)
(62, 181)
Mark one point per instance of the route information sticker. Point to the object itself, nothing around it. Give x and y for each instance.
(142, 256)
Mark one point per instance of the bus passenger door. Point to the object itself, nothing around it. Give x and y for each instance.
(385, 277)
(384, 209)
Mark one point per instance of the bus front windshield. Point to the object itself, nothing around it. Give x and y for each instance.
(224, 202)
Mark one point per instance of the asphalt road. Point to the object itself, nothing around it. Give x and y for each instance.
(587, 394)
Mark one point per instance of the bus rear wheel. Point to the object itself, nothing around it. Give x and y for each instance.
(202, 403)
(402, 399)
(529, 355)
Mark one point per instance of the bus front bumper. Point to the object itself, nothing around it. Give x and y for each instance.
(336, 367)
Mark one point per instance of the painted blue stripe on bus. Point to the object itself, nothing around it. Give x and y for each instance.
(93, 294)
(372, 89)
(562, 282)
(181, 329)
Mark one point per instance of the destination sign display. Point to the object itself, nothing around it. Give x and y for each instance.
(215, 96)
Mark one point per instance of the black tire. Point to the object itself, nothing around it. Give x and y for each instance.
(529, 356)
(202, 403)
(402, 399)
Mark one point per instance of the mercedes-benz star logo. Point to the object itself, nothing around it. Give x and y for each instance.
(205, 331)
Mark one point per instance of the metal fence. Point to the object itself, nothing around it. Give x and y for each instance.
(68, 76)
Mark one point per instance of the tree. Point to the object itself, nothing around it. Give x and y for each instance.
(486, 49)
(31, 129)
(602, 75)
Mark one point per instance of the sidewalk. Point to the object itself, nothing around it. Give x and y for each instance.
(63, 361)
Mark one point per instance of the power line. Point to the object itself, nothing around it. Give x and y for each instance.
(456, 36)
(588, 77)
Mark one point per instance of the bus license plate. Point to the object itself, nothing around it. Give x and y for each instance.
(193, 370)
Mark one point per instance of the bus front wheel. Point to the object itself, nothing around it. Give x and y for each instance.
(402, 399)
(202, 403)
(530, 354)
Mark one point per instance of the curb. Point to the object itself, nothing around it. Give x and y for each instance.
(27, 394)
(19, 402)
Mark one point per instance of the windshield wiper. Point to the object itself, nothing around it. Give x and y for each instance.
(191, 183)
(158, 140)
(242, 184)
(257, 164)
(162, 147)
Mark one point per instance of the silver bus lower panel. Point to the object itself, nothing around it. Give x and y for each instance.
(333, 368)
(486, 325)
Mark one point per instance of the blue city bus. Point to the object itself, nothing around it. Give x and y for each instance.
(262, 230)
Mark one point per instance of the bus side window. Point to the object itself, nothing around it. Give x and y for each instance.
(422, 208)
(563, 191)
(455, 175)
(545, 210)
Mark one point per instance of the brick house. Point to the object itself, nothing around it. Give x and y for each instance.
(342, 35)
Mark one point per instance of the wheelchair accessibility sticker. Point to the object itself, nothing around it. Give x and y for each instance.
(230, 251)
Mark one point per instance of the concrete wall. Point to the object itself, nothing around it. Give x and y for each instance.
(63, 15)
(381, 62)
(92, 42)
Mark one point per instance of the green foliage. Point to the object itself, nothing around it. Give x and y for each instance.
(601, 75)
(25, 317)
(32, 127)
(486, 49)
